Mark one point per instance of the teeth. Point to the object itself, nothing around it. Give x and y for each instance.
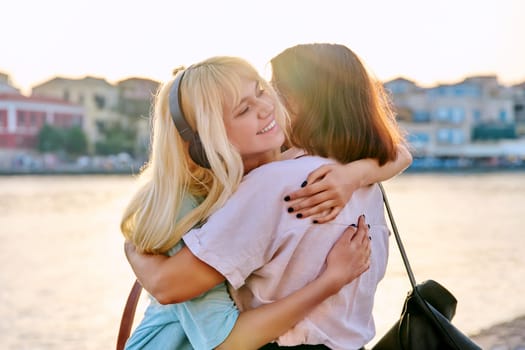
(267, 128)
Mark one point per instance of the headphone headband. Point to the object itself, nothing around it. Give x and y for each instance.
(176, 111)
(196, 150)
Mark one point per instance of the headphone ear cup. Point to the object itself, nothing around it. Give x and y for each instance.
(197, 152)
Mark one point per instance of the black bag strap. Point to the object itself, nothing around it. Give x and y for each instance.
(398, 238)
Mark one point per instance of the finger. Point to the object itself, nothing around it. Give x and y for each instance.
(307, 191)
(319, 173)
(364, 226)
(332, 214)
(312, 202)
(362, 230)
(350, 231)
(320, 209)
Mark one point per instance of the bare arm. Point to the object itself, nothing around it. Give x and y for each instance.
(331, 186)
(172, 279)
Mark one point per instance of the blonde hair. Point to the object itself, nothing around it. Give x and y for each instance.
(153, 221)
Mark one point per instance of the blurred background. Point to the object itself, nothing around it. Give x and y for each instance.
(76, 81)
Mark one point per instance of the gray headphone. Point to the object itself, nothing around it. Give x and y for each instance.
(196, 149)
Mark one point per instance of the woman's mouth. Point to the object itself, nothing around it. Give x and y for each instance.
(267, 127)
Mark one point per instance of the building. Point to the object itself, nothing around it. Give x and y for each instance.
(6, 86)
(518, 92)
(99, 99)
(135, 102)
(21, 119)
(125, 105)
(448, 120)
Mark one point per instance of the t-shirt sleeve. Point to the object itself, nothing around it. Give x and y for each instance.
(239, 238)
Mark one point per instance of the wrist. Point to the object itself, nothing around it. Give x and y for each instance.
(331, 283)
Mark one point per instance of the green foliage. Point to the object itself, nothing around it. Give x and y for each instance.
(72, 140)
(117, 139)
(50, 139)
(75, 141)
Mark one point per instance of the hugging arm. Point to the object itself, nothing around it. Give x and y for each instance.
(172, 279)
(164, 278)
(331, 186)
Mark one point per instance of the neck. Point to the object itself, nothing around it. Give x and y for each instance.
(256, 161)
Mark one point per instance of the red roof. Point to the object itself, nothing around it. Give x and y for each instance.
(19, 97)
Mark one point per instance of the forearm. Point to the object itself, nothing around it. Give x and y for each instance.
(172, 279)
(259, 326)
(371, 172)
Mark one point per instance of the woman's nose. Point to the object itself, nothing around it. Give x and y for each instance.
(265, 108)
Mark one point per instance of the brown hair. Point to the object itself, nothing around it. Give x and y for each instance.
(340, 111)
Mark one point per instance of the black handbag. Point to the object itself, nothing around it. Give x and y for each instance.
(425, 321)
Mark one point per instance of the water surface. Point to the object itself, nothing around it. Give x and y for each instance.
(64, 278)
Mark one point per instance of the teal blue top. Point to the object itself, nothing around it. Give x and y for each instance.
(201, 323)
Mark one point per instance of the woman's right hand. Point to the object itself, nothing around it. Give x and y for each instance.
(350, 255)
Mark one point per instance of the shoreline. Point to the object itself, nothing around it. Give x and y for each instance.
(136, 170)
(502, 336)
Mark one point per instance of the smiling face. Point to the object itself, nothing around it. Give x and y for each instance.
(251, 126)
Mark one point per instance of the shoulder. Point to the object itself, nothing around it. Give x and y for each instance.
(288, 168)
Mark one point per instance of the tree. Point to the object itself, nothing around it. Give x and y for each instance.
(50, 139)
(117, 139)
(75, 141)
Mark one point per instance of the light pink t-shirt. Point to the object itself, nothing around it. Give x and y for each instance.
(266, 253)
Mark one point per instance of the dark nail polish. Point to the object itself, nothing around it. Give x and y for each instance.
(353, 225)
(315, 222)
(370, 237)
(304, 184)
(299, 216)
(287, 198)
(368, 225)
(290, 209)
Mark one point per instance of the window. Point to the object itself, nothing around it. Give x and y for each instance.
(503, 116)
(418, 138)
(442, 114)
(476, 115)
(100, 101)
(20, 118)
(457, 115)
(421, 116)
(3, 119)
(451, 136)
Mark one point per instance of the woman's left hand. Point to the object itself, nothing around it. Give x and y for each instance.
(326, 192)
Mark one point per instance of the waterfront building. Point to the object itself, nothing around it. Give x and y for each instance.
(124, 105)
(21, 119)
(518, 92)
(98, 98)
(135, 101)
(455, 120)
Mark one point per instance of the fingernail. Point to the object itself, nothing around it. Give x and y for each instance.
(315, 222)
(304, 183)
(370, 237)
(368, 225)
(353, 225)
(299, 216)
(287, 198)
(290, 209)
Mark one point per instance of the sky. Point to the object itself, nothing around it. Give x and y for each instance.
(429, 42)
